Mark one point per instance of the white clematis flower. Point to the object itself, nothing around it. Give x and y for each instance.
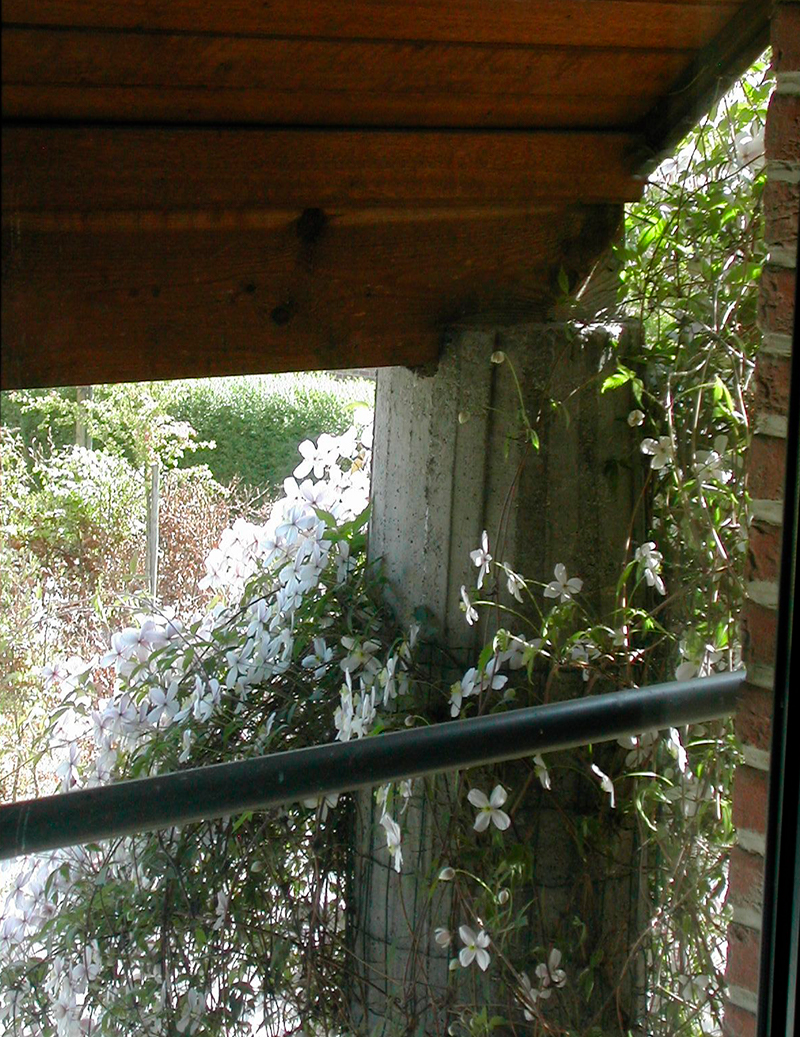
(561, 587)
(676, 749)
(467, 607)
(393, 839)
(606, 783)
(542, 772)
(650, 561)
(660, 450)
(474, 948)
(489, 809)
(528, 996)
(482, 558)
(515, 583)
(550, 973)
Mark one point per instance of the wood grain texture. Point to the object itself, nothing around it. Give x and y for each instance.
(85, 75)
(681, 24)
(305, 291)
(65, 169)
(323, 108)
(713, 71)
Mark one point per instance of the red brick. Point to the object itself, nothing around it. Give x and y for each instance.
(772, 384)
(744, 946)
(738, 1022)
(764, 552)
(781, 211)
(776, 300)
(766, 467)
(753, 720)
(750, 799)
(746, 879)
(759, 628)
(785, 34)
(782, 133)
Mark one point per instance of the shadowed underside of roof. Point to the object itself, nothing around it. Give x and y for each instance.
(201, 188)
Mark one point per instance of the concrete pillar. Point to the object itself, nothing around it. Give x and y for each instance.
(447, 465)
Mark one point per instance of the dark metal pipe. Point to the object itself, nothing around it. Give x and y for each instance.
(104, 812)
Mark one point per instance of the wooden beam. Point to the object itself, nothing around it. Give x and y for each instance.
(323, 107)
(58, 171)
(87, 304)
(88, 75)
(711, 74)
(679, 24)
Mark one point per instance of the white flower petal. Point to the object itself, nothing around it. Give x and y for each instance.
(500, 819)
(498, 797)
(466, 934)
(478, 799)
(482, 821)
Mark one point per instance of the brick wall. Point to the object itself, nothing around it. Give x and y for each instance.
(765, 473)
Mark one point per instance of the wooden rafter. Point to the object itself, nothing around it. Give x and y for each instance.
(208, 188)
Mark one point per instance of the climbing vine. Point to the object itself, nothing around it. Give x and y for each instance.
(244, 924)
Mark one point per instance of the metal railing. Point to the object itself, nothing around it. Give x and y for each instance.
(108, 811)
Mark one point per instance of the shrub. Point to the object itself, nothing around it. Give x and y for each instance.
(257, 422)
(194, 510)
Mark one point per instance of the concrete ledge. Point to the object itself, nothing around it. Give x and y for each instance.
(777, 344)
(742, 998)
(787, 83)
(788, 172)
(772, 425)
(785, 257)
(763, 592)
(747, 916)
(761, 675)
(758, 759)
(753, 842)
(767, 511)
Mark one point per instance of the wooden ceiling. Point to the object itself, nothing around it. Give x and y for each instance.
(407, 63)
(288, 157)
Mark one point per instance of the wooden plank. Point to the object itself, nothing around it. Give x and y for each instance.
(135, 77)
(65, 103)
(297, 293)
(91, 170)
(711, 74)
(678, 24)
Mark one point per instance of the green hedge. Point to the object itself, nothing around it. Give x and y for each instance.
(258, 421)
(50, 426)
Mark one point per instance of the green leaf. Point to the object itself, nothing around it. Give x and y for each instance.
(485, 656)
(241, 820)
(621, 377)
(326, 517)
